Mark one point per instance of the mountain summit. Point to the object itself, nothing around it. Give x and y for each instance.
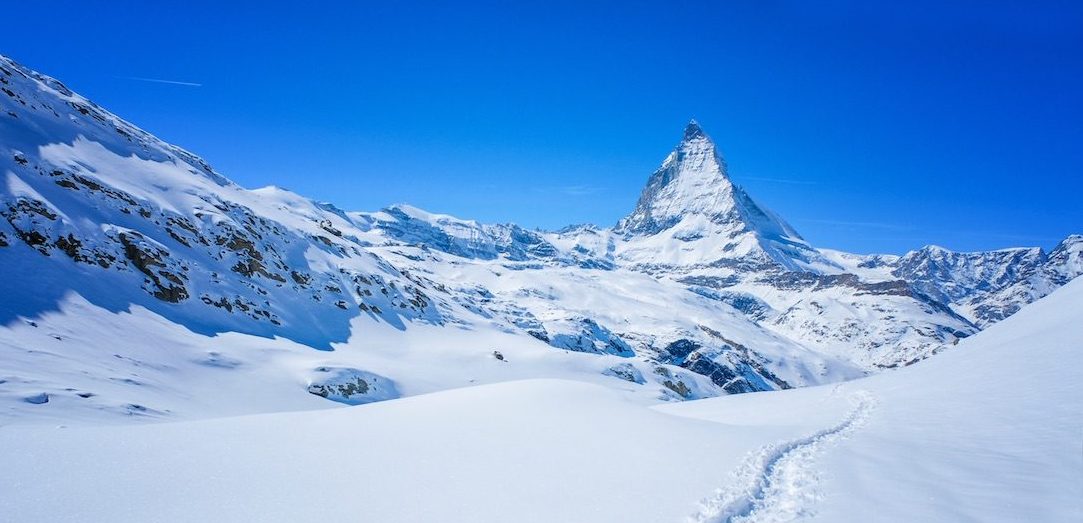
(691, 197)
(693, 130)
(691, 180)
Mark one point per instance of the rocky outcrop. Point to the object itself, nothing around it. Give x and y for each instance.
(351, 386)
(166, 276)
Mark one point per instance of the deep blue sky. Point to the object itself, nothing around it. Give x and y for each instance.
(871, 128)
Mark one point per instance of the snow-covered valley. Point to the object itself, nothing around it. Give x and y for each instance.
(925, 443)
(175, 347)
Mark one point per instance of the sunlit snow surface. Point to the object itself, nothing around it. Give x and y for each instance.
(988, 431)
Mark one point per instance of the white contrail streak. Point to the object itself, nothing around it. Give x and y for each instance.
(160, 81)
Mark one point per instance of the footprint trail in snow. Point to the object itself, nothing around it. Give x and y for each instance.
(779, 482)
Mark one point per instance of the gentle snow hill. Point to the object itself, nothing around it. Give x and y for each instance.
(975, 434)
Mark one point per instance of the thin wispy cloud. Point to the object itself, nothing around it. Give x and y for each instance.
(865, 225)
(569, 190)
(160, 81)
(580, 190)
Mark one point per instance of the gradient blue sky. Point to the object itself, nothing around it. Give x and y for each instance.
(871, 128)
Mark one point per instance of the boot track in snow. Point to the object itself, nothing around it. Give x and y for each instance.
(779, 482)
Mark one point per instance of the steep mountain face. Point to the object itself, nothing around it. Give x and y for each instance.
(699, 292)
(94, 205)
(691, 199)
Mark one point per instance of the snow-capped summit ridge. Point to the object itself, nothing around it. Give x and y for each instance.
(692, 179)
(691, 197)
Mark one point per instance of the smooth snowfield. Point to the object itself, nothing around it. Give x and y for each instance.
(536, 450)
(988, 431)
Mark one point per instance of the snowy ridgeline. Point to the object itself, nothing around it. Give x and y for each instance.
(142, 284)
(988, 431)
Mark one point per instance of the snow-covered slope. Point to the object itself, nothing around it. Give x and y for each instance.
(108, 233)
(986, 432)
(971, 435)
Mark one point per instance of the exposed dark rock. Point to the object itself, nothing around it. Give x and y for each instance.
(300, 279)
(148, 259)
(626, 372)
(539, 335)
(713, 282)
(811, 281)
(71, 246)
(673, 383)
(347, 389)
(34, 239)
(679, 387)
(677, 351)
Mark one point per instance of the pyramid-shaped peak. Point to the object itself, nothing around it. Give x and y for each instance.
(691, 196)
(693, 130)
(691, 180)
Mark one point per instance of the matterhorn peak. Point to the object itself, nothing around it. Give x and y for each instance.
(690, 196)
(691, 180)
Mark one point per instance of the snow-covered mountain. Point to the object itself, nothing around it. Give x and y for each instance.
(140, 281)
(690, 212)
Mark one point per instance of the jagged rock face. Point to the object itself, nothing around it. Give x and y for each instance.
(1065, 262)
(949, 276)
(987, 287)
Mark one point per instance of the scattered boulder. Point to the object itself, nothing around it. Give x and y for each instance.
(352, 386)
(626, 372)
(683, 386)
